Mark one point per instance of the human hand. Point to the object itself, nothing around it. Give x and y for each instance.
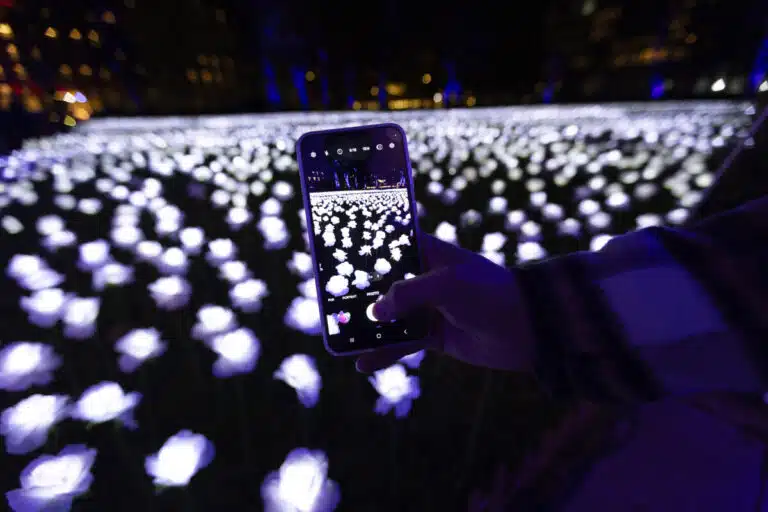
(478, 315)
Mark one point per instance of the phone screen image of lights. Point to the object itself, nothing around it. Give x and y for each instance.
(358, 184)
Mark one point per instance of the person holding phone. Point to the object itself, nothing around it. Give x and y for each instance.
(662, 315)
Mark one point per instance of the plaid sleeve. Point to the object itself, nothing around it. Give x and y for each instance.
(658, 311)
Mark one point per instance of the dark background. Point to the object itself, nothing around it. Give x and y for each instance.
(193, 57)
(214, 56)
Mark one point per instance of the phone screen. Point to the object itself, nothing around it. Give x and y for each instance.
(362, 222)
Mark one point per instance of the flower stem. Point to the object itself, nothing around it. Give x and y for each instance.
(243, 413)
(394, 459)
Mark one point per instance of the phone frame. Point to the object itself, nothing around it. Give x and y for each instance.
(311, 237)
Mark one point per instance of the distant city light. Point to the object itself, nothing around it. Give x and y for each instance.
(438, 97)
(718, 85)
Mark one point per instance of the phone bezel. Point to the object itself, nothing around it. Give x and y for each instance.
(311, 238)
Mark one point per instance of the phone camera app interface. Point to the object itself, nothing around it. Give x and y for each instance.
(363, 230)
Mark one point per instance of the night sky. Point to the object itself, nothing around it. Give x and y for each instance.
(491, 42)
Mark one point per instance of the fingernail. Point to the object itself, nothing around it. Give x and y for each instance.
(382, 311)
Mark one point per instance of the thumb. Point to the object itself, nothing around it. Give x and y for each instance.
(404, 297)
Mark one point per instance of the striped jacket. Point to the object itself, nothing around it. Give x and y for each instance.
(656, 312)
(659, 313)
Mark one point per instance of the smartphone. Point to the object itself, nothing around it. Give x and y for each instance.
(361, 212)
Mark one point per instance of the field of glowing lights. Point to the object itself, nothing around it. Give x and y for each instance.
(160, 347)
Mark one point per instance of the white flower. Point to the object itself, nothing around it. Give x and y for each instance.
(45, 307)
(106, 402)
(126, 236)
(340, 255)
(446, 232)
(396, 389)
(213, 320)
(299, 372)
(308, 288)
(179, 459)
(362, 280)
(112, 274)
(337, 286)
(528, 251)
(192, 239)
(247, 296)
(138, 346)
(221, 250)
(345, 269)
(301, 485)
(26, 364)
(238, 352)
(149, 250)
(234, 271)
(94, 254)
(301, 264)
(25, 426)
(275, 232)
(80, 317)
(44, 278)
(173, 261)
(170, 293)
(303, 315)
(382, 266)
(493, 242)
(52, 482)
(22, 265)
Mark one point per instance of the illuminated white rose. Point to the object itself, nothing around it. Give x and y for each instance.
(234, 271)
(40, 280)
(149, 250)
(248, 295)
(138, 346)
(299, 372)
(337, 286)
(396, 389)
(221, 250)
(301, 485)
(345, 269)
(23, 265)
(25, 426)
(238, 352)
(53, 482)
(59, 239)
(179, 459)
(301, 263)
(173, 261)
(362, 280)
(382, 266)
(106, 402)
(26, 364)
(303, 315)
(80, 317)
(170, 293)
(94, 254)
(213, 320)
(112, 274)
(446, 232)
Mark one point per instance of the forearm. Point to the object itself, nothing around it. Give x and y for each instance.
(657, 312)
